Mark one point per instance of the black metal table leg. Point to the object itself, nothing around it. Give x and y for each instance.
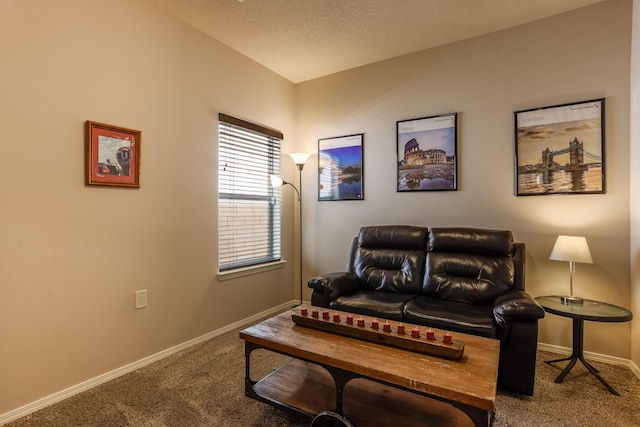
(578, 354)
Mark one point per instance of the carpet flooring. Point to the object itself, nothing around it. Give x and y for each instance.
(204, 386)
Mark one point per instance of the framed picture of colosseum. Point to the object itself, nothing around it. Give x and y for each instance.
(112, 155)
(426, 148)
(340, 168)
(560, 149)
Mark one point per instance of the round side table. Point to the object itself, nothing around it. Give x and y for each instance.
(594, 311)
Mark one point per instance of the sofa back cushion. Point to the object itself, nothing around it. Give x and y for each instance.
(391, 258)
(469, 265)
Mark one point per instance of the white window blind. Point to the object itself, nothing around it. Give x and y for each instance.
(248, 207)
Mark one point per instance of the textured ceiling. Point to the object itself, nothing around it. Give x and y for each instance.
(306, 39)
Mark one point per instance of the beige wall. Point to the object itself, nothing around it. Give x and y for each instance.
(72, 256)
(634, 195)
(576, 56)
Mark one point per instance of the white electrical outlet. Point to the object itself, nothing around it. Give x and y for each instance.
(141, 299)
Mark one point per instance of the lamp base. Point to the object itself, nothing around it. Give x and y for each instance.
(571, 300)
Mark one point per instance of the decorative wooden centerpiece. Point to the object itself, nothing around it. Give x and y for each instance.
(387, 332)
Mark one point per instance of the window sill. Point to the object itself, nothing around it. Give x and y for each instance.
(248, 271)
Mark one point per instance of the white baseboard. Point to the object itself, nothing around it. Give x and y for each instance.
(593, 356)
(108, 376)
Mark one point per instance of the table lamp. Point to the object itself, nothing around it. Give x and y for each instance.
(572, 249)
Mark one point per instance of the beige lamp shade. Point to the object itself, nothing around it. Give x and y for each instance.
(571, 249)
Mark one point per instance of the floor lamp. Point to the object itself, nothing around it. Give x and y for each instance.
(299, 159)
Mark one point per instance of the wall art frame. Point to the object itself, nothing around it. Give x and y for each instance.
(560, 149)
(426, 151)
(341, 168)
(112, 155)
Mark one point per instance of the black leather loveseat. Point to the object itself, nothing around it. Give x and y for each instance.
(460, 279)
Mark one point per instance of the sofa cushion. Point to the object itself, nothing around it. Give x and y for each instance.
(387, 305)
(451, 316)
(462, 278)
(471, 240)
(405, 237)
(471, 266)
(391, 258)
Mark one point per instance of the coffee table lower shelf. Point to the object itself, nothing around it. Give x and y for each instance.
(309, 389)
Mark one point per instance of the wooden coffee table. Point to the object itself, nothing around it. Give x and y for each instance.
(371, 383)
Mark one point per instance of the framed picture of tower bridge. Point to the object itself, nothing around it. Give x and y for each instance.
(560, 149)
(426, 149)
(340, 168)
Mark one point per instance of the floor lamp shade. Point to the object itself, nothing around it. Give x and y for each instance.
(571, 249)
(300, 159)
(276, 181)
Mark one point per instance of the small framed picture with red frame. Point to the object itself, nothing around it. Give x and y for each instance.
(112, 155)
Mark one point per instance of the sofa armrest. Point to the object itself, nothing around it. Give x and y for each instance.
(333, 285)
(516, 305)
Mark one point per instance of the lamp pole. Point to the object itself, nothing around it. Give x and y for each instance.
(300, 159)
(300, 166)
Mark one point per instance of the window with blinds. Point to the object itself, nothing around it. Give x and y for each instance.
(248, 207)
